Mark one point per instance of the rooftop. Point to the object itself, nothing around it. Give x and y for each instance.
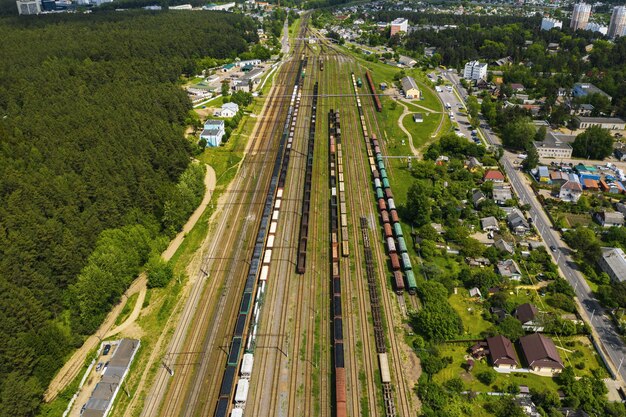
(526, 312)
(408, 83)
(614, 120)
(501, 351)
(540, 351)
(616, 260)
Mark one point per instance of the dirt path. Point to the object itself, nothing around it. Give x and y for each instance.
(72, 367)
(405, 112)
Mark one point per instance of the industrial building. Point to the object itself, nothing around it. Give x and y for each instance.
(409, 87)
(613, 262)
(553, 147)
(610, 123)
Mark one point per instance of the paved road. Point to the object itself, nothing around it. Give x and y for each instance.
(603, 329)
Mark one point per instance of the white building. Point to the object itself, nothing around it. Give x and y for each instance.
(410, 88)
(399, 25)
(225, 6)
(548, 23)
(474, 70)
(609, 123)
(27, 7)
(181, 7)
(229, 110)
(580, 16)
(618, 22)
(213, 132)
(596, 27)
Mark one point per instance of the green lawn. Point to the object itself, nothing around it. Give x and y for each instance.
(471, 313)
(128, 308)
(455, 369)
(422, 132)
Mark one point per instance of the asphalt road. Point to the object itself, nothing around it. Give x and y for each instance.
(593, 313)
(458, 108)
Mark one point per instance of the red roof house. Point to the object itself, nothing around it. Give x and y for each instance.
(493, 175)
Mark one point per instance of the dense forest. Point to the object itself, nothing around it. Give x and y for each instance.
(92, 156)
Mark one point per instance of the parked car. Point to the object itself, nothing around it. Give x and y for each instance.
(99, 366)
(106, 350)
(553, 248)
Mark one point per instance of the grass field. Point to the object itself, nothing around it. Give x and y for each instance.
(470, 311)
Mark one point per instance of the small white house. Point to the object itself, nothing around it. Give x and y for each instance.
(229, 110)
(213, 132)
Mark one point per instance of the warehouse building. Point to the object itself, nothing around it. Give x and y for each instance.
(409, 87)
(613, 262)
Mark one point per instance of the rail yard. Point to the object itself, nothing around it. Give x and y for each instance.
(299, 310)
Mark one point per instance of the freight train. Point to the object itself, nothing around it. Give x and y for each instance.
(336, 171)
(370, 83)
(242, 341)
(306, 199)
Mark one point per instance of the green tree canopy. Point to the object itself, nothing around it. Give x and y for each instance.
(594, 143)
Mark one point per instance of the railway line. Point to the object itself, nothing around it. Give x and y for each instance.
(258, 343)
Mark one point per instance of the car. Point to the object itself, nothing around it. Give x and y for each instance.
(99, 366)
(553, 248)
(106, 350)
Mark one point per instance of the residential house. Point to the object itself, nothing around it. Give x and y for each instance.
(477, 198)
(229, 110)
(583, 109)
(541, 354)
(517, 222)
(590, 184)
(570, 192)
(409, 87)
(558, 177)
(479, 261)
(502, 353)
(489, 224)
(613, 262)
(504, 246)
(501, 194)
(213, 132)
(527, 315)
(494, 175)
(517, 88)
(509, 269)
(473, 163)
(609, 218)
(407, 61)
(499, 313)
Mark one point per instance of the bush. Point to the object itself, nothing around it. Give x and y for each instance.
(487, 377)
(159, 273)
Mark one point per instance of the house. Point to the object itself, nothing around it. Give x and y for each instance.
(509, 269)
(489, 224)
(473, 163)
(526, 314)
(613, 262)
(504, 246)
(213, 132)
(517, 88)
(570, 192)
(541, 354)
(517, 222)
(409, 87)
(609, 218)
(558, 177)
(477, 198)
(502, 353)
(493, 175)
(479, 261)
(583, 109)
(584, 89)
(229, 110)
(591, 184)
(501, 194)
(610, 123)
(407, 61)
(418, 117)
(228, 67)
(475, 292)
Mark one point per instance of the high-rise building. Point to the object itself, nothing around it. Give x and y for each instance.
(618, 22)
(399, 25)
(580, 16)
(474, 70)
(28, 6)
(548, 23)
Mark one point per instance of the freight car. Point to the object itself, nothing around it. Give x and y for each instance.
(370, 83)
(398, 282)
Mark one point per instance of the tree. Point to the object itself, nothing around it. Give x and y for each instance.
(541, 134)
(511, 327)
(437, 322)
(20, 395)
(594, 143)
(487, 377)
(418, 204)
(472, 107)
(518, 134)
(532, 158)
(225, 88)
(160, 272)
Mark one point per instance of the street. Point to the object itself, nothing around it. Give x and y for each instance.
(603, 329)
(456, 107)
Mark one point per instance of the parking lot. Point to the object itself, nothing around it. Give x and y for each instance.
(453, 105)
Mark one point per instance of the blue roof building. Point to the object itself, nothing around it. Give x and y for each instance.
(583, 89)
(213, 132)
